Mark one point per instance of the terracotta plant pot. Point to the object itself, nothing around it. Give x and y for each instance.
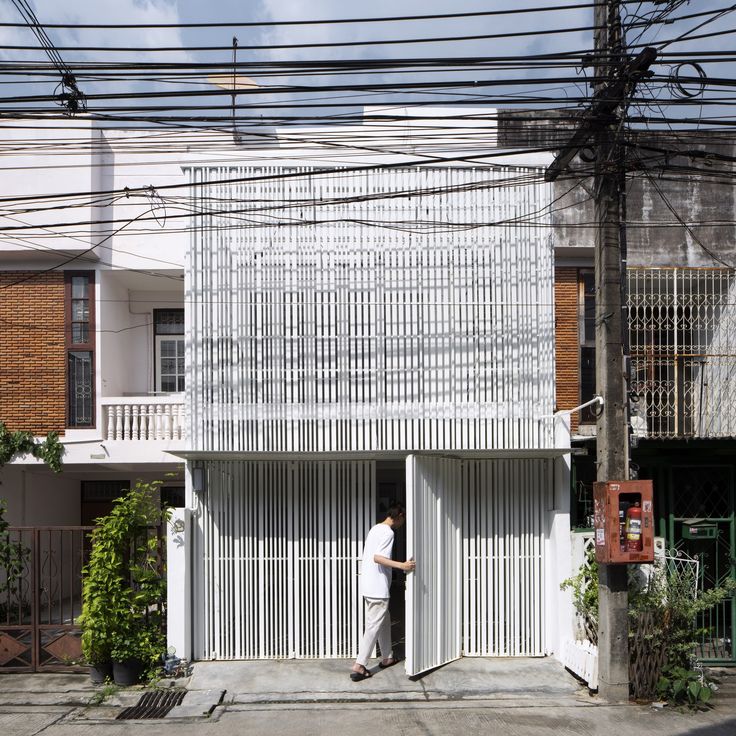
(100, 672)
(128, 672)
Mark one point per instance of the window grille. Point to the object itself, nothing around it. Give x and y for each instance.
(682, 334)
(80, 344)
(81, 388)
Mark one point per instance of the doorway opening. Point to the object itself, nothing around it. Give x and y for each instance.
(391, 486)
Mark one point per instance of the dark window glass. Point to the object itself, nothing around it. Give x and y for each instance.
(99, 491)
(168, 383)
(587, 343)
(80, 310)
(172, 496)
(168, 321)
(80, 333)
(80, 286)
(587, 382)
(588, 331)
(81, 388)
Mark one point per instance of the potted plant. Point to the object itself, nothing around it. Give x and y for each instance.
(136, 651)
(124, 589)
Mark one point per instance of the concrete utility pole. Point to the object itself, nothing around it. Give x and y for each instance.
(612, 427)
(615, 79)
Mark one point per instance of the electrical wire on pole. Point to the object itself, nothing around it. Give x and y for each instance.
(615, 78)
(69, 96)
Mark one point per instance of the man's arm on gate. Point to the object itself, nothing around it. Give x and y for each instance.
(407, 566)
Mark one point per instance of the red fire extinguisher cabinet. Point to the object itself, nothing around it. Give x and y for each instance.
(617, 502)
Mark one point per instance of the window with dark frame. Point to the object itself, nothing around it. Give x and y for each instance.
(103, 491)
(169, 345)
(173, 496)
(80, 347)
(586, 325)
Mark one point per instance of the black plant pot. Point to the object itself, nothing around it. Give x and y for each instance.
(100, 672)
(128, 672)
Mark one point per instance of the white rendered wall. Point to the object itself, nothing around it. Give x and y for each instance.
(60, 163)
(122, 340)
(361, 331)
(36, 498)
(126, 332)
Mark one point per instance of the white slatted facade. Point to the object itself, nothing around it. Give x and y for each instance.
(413, 313)
(504, 510)
(277, 547)
(397, 310)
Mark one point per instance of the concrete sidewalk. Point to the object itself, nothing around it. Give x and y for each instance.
(328, 681)
(532, 697)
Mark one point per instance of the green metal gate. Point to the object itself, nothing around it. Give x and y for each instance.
(701, 523)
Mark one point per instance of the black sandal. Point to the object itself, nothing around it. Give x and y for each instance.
(391, 663)
(359, 676)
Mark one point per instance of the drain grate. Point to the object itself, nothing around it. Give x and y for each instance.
(154, 704)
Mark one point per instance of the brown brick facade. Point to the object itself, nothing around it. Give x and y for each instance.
(567, 341)
(32, 351)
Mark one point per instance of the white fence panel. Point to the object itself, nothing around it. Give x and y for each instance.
(276, 552)
(504, 510)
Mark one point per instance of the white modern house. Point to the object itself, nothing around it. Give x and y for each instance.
(355, 336)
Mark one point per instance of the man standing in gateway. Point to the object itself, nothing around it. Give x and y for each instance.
(375, 584)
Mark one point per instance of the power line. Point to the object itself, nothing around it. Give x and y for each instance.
(322, 22)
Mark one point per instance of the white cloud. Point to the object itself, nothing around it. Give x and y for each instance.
(68, 40)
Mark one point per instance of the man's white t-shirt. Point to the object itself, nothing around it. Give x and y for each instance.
(375, 579)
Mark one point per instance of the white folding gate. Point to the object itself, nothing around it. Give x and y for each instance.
(276, 559)
(277, 549)
(476, 529)
(434, 591)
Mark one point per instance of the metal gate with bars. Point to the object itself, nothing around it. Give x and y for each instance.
(277, 549)
(41, 598)
(706, 494)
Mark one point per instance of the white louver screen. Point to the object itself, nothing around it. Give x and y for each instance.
(406, 309)
(277, 552)
(504, 506)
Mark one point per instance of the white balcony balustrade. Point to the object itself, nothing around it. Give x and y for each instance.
(143, 418)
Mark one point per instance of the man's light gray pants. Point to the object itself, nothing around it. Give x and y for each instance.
(377, 627)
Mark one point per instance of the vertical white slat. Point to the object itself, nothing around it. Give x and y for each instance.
(482, 510)
(292, 596)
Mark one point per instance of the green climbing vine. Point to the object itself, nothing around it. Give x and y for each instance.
(49, 450)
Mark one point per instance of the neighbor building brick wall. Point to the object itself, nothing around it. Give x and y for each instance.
(567, 342)
(32, 351)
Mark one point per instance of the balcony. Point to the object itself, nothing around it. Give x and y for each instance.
(143, 418)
